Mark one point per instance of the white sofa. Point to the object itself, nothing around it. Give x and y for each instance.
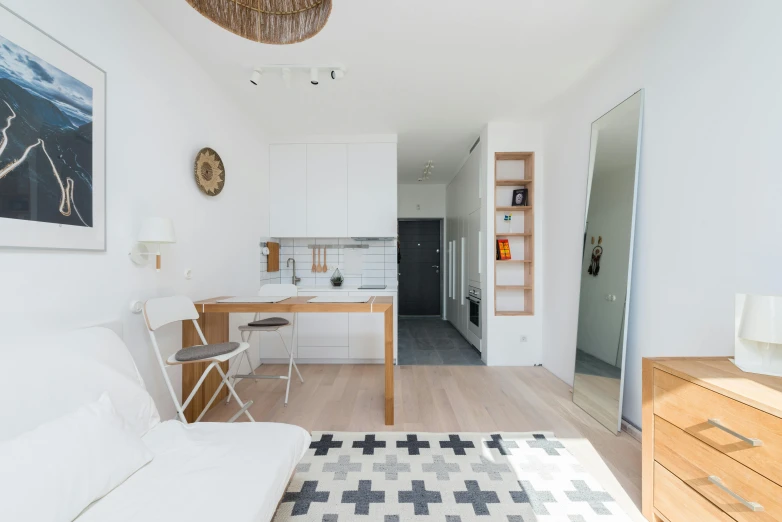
(200, 472)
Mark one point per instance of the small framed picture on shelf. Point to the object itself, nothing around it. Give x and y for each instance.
(503, 250)
(520, 197)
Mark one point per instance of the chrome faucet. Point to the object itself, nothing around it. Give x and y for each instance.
(294, 279)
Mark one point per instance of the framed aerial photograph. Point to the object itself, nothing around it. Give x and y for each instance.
(52, 142)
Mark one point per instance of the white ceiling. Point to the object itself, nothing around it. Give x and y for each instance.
(433, 71)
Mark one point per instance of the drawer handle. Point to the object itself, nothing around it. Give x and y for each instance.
(717, 424)
(754, 506)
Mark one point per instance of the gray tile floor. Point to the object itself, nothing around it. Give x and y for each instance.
(432, 341)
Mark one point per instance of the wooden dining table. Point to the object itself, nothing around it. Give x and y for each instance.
(213, 321)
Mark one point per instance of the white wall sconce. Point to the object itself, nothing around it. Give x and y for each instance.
(155, 232)
(759, 334)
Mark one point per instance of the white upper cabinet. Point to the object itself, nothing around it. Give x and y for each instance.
(327, 190)
(288, 190)
(333, 190)
(372, 181)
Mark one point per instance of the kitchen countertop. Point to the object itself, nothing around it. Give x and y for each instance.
(344, 289)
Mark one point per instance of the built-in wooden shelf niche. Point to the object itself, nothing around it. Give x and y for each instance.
(514, 279)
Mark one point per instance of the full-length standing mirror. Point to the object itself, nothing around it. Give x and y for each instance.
(607, 262)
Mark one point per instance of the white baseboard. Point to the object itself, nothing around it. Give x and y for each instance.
(325, 361)
(631, 430)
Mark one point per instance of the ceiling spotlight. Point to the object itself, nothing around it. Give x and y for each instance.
(337, 74)
(428, 168)
(314, 76)
(256, 77)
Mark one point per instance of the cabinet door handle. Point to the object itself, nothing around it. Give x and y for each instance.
(754, 506)
(480, 260)
(753, 442)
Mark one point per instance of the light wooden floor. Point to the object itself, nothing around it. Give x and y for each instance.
(437, 399)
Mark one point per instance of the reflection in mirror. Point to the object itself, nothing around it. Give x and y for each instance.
(607, 262)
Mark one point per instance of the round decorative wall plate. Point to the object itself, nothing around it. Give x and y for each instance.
(209, 172)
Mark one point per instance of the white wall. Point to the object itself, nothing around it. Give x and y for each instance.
(162, 108)
(502, 335)
(708, 219)
(431, 199)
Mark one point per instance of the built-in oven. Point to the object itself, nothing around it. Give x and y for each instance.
(474, 299)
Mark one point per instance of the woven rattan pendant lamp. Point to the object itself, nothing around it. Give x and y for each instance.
(276, 22)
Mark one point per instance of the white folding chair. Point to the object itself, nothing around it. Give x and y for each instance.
(273, 324)
(165, 310)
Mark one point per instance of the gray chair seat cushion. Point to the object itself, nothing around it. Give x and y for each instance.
(207, 351)
(271, 321)
(248, 328)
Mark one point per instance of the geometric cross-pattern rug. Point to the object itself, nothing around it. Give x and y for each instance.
(442, 477)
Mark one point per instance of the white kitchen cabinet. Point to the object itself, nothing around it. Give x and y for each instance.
(462, 274)
(323, 330)
(287, 190)
(473, 249)
(323, 336)
(367, 331)
(372, 182)
(464, 224)
(367, 336)
(324, 352)
(327, 190)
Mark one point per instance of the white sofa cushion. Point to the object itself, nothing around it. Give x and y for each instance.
(50, 376)
(206, 472)
(50, 474)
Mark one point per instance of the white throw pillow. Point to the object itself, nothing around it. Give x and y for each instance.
(52, 473)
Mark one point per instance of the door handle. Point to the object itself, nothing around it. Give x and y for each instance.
(435, 266)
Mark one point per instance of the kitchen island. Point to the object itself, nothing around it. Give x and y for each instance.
(214, 322)
(331, 338)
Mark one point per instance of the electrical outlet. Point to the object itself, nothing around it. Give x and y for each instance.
(524, 338)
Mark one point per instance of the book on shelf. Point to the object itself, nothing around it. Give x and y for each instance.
(503, 250)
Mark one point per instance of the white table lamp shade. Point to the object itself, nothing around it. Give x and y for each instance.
(157, 230)
(759, 334)
(761, 320)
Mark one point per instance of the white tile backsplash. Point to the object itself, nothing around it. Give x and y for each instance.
(378, 263)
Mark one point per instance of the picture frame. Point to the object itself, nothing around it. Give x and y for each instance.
(520, 197)
(52, 142)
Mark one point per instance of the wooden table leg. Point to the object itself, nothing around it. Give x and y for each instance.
(389, 339)
(215, 328)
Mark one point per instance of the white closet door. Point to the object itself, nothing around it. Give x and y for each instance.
(372, 181)
(288, 190)
(327, 190)
(474, 248)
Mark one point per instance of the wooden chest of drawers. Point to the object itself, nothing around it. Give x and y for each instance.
(712, 442)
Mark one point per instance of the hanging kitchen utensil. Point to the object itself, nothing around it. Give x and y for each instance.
(314, 266)
(325, 266)
(320, 267)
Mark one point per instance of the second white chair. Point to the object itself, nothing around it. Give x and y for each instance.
(272, 324)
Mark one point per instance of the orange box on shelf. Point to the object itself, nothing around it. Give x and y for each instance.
(503, 250)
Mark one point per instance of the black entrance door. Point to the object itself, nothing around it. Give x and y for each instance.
(419, 268)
